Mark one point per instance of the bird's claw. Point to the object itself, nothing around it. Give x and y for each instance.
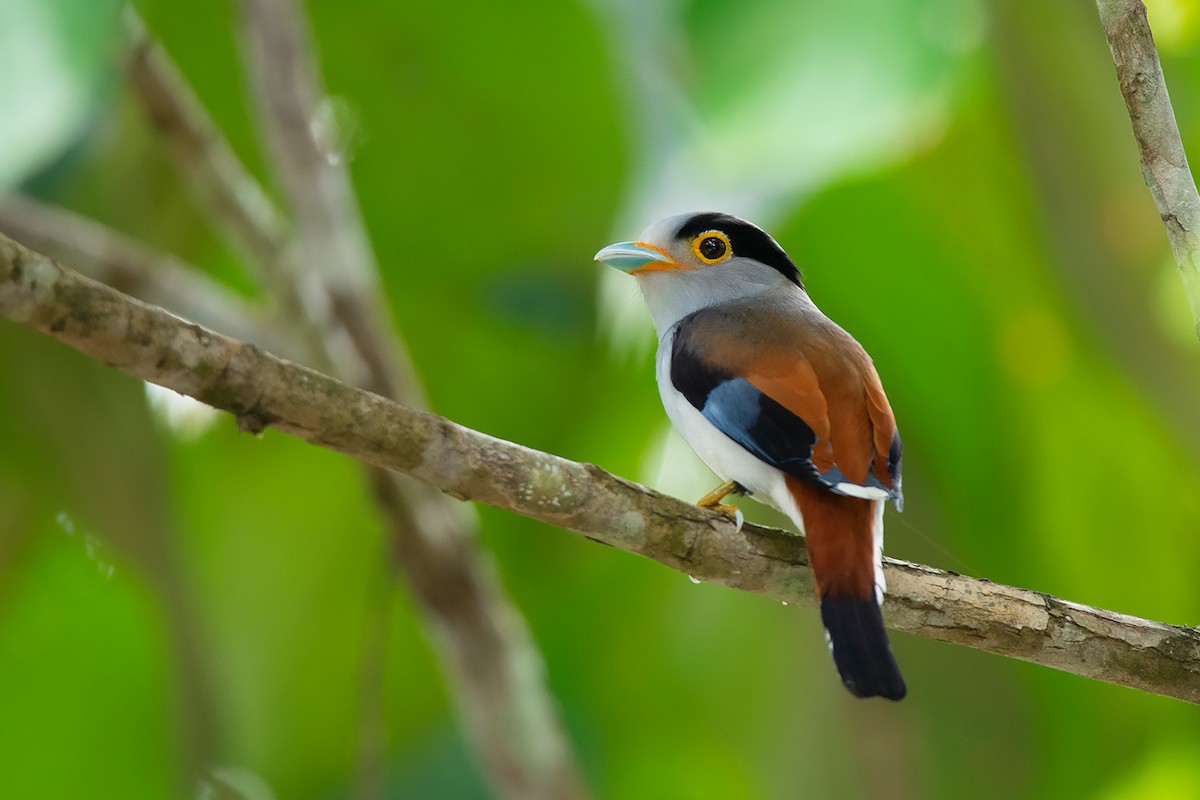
(733, 512)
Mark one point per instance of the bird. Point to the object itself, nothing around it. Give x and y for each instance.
(784, 406)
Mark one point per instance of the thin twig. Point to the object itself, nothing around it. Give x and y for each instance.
(262, 390)
(334, 250)
(232, 196)
(1164, 163)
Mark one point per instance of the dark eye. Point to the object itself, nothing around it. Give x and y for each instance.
(712, 248)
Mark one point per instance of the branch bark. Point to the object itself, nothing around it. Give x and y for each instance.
(1164, 163)
(261, 390)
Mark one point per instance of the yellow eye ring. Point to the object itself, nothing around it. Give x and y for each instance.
(712, 247)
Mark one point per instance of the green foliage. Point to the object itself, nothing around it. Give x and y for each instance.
(970, 207)
(55, 59)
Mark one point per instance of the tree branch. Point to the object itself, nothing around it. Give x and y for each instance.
(1164, 163)
(261, 389)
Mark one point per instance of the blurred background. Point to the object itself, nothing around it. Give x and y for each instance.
(959, 183)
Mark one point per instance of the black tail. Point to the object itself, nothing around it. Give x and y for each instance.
(860, 647)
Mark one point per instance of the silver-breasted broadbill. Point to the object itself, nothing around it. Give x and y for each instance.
(783, 405)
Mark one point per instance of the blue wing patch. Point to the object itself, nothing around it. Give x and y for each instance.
(762, 426)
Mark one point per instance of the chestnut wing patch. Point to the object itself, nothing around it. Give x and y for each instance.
(742, 409)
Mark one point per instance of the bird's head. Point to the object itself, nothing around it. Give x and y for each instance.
(692, 261)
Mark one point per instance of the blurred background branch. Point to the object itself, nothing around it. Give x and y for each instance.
(324, 273)
(1164, 162)
(148, 343)
(123, 263)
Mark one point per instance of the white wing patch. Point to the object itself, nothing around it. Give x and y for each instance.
(877, 536)
(864, 492)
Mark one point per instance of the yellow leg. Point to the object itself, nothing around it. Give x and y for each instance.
(713, 499)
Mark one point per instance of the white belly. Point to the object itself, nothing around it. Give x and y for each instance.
(722, 455)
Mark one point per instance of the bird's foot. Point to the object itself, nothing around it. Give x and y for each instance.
(713, 500)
